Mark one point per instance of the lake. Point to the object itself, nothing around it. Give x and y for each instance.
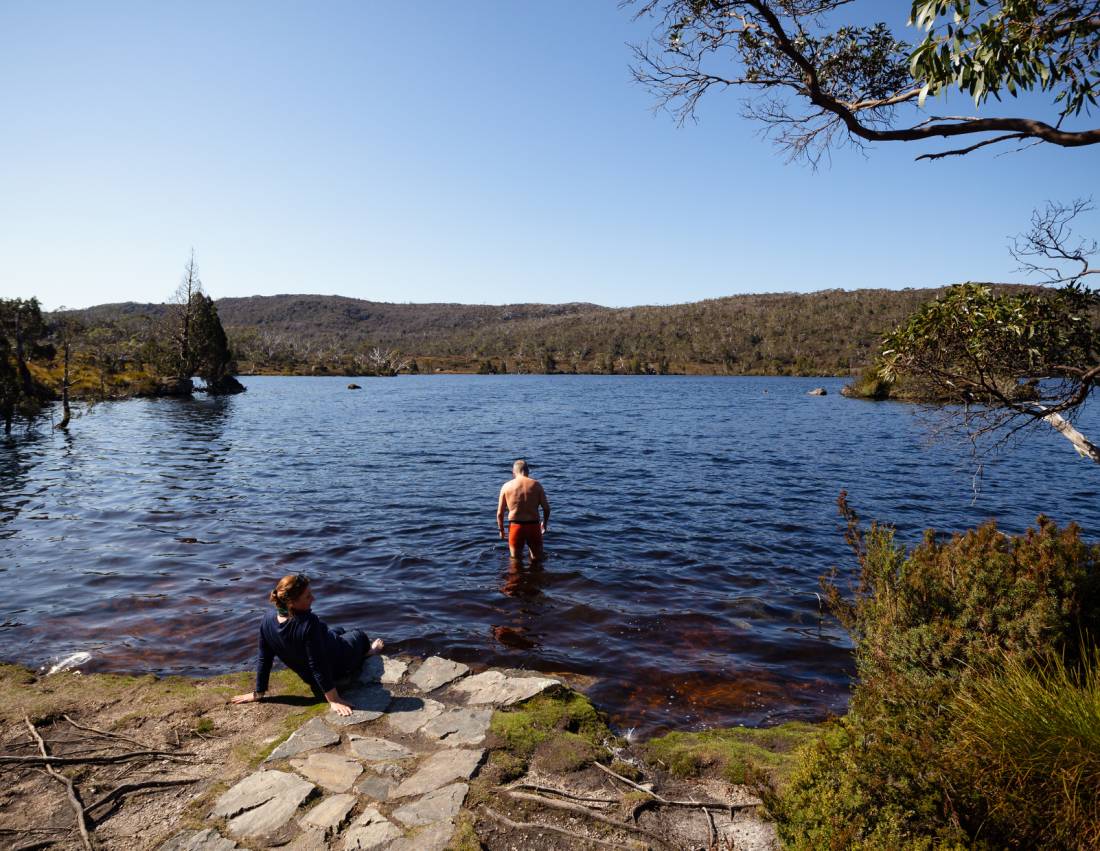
(691, 520)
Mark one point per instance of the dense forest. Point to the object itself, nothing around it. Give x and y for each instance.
(832, 332)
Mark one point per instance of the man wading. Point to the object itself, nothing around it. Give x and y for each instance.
(522, 497)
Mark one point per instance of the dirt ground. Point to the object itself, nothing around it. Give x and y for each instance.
(147, 757)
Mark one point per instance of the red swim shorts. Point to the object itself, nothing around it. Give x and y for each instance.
(521, 534)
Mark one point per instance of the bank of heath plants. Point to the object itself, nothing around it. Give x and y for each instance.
(932, 627)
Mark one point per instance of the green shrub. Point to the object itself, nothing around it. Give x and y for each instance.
(928, 625)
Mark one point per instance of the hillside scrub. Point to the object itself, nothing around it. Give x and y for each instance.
(944, 635)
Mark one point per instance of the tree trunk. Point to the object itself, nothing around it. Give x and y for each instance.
(66, 413)
(1085, 448)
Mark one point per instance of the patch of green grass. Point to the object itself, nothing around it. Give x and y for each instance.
(465, 837)
(204, 726)
(734, 754)
(565, 752)
(524, 728)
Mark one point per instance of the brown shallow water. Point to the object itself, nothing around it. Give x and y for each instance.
(692, 519)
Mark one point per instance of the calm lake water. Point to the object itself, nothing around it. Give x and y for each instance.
(692, 518)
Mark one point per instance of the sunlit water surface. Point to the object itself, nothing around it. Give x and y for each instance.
(692, 518)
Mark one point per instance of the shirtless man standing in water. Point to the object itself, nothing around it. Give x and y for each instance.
(522, 497)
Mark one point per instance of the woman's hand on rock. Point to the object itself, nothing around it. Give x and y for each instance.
(251, 697)
(339, 707)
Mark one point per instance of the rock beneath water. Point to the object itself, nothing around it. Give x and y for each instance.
(170, 387)
(437, 671)
(371, 830)
(198, 840)
(310, 736)
(331, 770)
(460, 726)
(329, 815)
(409, 714)
(354, 386)
(440, 769)
(225, 386)
(818, 391)
(373, 749)
(439, 805)
(383, 669)
(375, 787)
(495, 688)
(434, 838)
(368, 702)
(262, 803)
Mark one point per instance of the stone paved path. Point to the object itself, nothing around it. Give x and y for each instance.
(392, 777)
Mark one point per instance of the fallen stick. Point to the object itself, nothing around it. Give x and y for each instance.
(93, 760)
(696, 804)
(74, 799)
(549, 828)
(535, 787)
(105, 733)
(584, 811)
(127, 788)
(713, 834)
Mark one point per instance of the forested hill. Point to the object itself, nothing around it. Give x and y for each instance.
(822, 333)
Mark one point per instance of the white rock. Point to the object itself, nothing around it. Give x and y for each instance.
(442, 804)
(262, 802)
(409, 714)
(440, 769)
(333, 771)
(436, 672)
(371, 830)
(329, 815)
(495, 688)
(459, 726)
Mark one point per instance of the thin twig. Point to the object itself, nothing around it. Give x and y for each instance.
(549, 828)
(74, 799)
(105, 733)
(713, 835)
(127, 788)
(585, 811)
(670, 803)
(535, 787)
(93, 760)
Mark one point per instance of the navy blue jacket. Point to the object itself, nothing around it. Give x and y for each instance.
(306, 646)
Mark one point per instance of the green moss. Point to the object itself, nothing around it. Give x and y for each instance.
(524, 728)
(734, 754)
(565, 752)
(465, 837)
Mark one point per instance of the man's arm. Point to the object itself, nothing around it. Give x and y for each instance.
(502, 505)
(545, 503)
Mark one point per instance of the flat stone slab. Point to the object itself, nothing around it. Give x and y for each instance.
(383, 669)
(373, 749)
(308, 840)
(436, 806)
(371, 830)
(495, 688)
(310, 736)
(437, 671)
(329, 815)
(367, 702)
(434, 838)
(262, 802)
(198, 840)
(409, 714)
(460, 726)
(333, 771)
(375, 788)
(439, 769)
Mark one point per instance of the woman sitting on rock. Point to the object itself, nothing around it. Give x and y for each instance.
(319, 655)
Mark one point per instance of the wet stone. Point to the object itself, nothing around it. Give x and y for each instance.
(367, 702)
(493, 687)
(330, 770)
(373, 749)
(436, 806)
(262, 803)
(440, 769)
(329, 815)
(409, 714)
(371, 830)
(375, 787)
(437, 837)
(437, 671)
(198, 840)
(460, 726)
(310, 736)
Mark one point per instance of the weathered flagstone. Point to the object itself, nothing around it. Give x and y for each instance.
(435, 837)
(329, 815)
(441, 804)
(308, 840)
(459, 726)
(333, 771)
(437, 671)
(439, 769)
(496, 688)
(409, 714)
(374, 787)
(370, 830)
(262, 802)
(367, 702)
(373, 749)
(383, 669)
(198, 840)
(310, 736)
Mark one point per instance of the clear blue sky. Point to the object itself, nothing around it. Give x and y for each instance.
(433, 151)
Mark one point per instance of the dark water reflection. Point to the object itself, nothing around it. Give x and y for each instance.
(692, 518)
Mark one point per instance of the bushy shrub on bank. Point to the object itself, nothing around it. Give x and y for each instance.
(944, 637)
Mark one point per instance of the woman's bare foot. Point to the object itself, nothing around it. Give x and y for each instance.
(376, 647)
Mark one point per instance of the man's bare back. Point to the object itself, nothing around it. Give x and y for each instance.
(521, 498)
